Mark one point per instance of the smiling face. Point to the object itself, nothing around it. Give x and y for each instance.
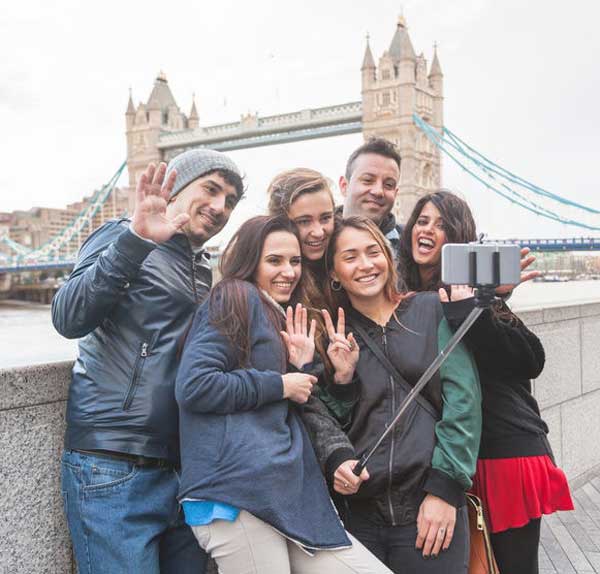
(428, 237)
(279, 269)
(209, 201)
(372, 187)
(313, 215)
(360, 264)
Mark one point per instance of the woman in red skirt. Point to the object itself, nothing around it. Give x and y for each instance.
(516, 476)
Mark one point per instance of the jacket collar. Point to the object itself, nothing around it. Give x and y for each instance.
(272, 302)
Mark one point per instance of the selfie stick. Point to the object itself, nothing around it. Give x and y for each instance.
(484, 296)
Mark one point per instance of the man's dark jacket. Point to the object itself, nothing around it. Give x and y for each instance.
(130, 302)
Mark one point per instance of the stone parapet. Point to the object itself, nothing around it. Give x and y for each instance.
(33, 533)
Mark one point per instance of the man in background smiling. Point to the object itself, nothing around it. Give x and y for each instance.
(370, 186)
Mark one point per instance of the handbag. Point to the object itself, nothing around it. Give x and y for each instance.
(481, 560)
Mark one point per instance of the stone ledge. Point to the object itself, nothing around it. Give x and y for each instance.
(35, 385)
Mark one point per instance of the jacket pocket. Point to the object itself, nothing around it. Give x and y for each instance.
(143, 352)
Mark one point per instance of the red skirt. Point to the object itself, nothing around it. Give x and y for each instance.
(516, 490)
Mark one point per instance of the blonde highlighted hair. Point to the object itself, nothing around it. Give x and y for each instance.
(289, 185)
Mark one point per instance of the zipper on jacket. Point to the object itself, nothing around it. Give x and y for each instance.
(194, 277)
(139, 361)
(392, 442)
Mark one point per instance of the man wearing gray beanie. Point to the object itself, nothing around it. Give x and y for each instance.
(130, 299)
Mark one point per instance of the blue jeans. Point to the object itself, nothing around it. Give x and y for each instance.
(125, 519)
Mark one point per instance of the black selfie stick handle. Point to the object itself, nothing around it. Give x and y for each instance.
(360, 465)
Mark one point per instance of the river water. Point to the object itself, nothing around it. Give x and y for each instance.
(27, 336)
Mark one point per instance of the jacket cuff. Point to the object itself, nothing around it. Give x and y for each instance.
(336, 458)
(133, 247)
(272, 389)
(314, 368)
(458, 310)
(348, 392)
(440, 484)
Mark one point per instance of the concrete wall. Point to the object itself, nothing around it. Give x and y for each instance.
(33, 535)
(568, 391)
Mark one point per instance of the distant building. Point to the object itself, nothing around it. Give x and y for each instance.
(38, 225)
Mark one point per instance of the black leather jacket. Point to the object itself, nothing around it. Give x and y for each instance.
(130, 302)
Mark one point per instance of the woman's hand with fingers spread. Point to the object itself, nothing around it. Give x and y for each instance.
(149, 218)
(299, 340)
(342, 351)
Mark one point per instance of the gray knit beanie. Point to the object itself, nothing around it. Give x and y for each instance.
(194, 163)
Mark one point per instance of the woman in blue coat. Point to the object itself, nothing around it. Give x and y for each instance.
(251, 487)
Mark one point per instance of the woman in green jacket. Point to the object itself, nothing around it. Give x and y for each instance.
(412, 506)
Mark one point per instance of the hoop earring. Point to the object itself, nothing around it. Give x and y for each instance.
(336, 285)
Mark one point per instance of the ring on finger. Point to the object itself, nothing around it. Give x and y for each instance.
(346, 485)
(441, 531)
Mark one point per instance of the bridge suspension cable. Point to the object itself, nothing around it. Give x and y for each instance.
(50, 250)
(502, 181)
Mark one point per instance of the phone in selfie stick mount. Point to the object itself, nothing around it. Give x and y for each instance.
(481, 266)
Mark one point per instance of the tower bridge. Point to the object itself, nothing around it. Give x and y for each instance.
(400, 85)
(255, 131)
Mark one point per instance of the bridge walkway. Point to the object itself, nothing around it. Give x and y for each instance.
(570, 541)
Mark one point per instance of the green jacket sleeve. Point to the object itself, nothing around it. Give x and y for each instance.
(339, 399)
(459, 431)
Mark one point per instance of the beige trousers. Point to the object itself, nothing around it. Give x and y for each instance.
(250, 546)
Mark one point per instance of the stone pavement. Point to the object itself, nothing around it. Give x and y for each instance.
(570, 541)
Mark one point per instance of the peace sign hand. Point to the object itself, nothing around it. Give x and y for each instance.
(299, 341)
(342, 351)
(150, 219)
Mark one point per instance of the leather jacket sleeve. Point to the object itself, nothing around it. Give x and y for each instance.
(106, 263)
(209, 380)
(459, 431)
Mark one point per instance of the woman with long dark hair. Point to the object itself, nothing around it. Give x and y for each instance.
(251, 488)
(411, 507)
(516, 477)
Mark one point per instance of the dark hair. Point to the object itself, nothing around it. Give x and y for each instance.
(339, 298)
(231, 178)
(239, 263)
(377, 146)
(289, 185)
(459, 227)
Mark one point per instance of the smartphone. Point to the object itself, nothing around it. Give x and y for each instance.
(477, 264)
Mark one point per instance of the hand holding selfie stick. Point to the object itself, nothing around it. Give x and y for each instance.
(484, 296)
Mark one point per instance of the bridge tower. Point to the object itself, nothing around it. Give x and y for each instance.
(146, 123)
(391, 93)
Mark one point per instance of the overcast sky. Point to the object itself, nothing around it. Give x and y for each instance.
(522, 85)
